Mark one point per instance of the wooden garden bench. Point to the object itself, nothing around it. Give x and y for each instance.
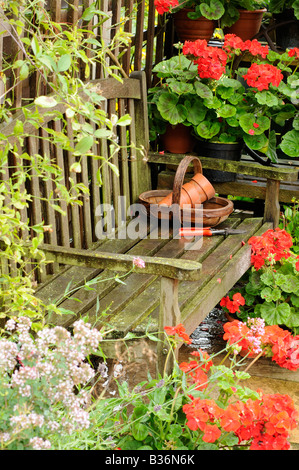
(176, 285)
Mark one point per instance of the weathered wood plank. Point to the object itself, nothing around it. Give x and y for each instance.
(265, 367)
(134, 186)
(64, 223)
(172, 268)
(74, 209)
(150, 41)
(201, 304)
(189, 291)
(272, 206)
(142, 137)
(72, 277)
(244, 186)
(85, 301)
(147, 303)
(126, 58)
(247, 168)
(169, 315)
(136, 284)
(138, 42)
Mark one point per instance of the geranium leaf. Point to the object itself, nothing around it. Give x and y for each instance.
(225, 92)
(227, 111)
(196, 113)
(213, 103)
(203, 90)
(293, 319)
(170, 110)
(231, 82)
(212, 10)
(230, 16)
(267, 98)
(287, 112)
(207, 129)
(290, 143)
(176, 86)
(295, 300)
(275, 315)
(256, 142)
(257, 124)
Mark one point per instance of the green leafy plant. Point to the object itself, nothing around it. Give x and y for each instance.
(278, 6)
(290, 222)
(200, 88)
(227, 13)
(60, 59)
(198, 406)
(271, 288)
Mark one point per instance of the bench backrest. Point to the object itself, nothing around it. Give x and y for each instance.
(125, 173)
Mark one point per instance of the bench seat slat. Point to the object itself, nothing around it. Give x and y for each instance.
(214, 255)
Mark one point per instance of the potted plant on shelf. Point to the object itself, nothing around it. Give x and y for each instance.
(197, 19)
(200, 89)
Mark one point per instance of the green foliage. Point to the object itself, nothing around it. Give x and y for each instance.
(271, 293)
(60, 58)
(150, 416)
(226, 12)
(278, 6)
(223, 110)
(290, 222)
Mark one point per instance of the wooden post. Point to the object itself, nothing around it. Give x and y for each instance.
(169, 315)
(272, 207)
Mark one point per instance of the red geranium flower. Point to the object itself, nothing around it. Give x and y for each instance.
(261, 76)
(294, 52)
(163, 6)
(233, 305)
(179, 330)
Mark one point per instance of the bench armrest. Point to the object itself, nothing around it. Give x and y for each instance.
(245, 168)
(167, 267)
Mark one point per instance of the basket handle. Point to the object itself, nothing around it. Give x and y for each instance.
(180, 175)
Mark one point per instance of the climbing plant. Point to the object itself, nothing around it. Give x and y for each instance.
(61, 60)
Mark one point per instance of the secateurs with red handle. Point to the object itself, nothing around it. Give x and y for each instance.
(207, 231)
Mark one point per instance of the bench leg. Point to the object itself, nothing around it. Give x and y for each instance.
(272, 206)
(169, 315)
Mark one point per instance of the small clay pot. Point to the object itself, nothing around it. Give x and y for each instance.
(205, 185)
(196, 191)
(178, 139)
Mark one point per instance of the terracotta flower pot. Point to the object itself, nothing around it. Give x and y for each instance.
(196, 191)
(178, 139)
(205, 185)
(248, 25)
(190, 30)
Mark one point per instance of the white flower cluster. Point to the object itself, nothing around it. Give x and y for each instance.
(46, 369)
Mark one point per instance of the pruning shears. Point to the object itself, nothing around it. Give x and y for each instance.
(207, 231)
